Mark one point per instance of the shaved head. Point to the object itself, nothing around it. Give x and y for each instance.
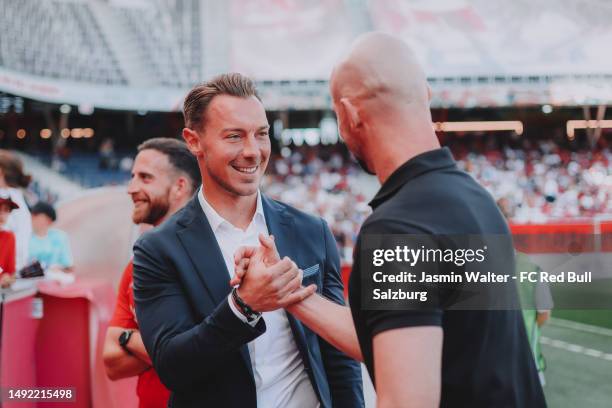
(381, 67)
(381, 98)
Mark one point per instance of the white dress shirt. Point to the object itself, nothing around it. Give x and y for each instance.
(280, 378)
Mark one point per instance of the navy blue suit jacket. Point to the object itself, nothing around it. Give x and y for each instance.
(197, 345)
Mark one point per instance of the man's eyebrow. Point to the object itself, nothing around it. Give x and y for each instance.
(263, 127)
(142, 173)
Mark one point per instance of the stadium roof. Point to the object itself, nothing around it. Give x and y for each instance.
(145, 54)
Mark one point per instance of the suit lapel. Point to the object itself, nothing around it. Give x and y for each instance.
(202, 248)
(201, 245)
(281, 226)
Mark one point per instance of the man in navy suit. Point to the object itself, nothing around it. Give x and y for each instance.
(214, 346)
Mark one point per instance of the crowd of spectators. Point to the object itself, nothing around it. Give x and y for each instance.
(539, 180)
(542, 181)
(323, 181)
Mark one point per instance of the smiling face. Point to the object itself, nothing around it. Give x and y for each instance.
(233, 148)
(150, 187)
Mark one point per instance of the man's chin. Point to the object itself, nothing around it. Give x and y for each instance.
(245, 189)
(247, 192)
(139, 218)
(364, 166)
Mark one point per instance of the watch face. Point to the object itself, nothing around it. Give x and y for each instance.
(124, 337)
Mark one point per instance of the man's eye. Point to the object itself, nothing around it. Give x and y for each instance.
(233, 136)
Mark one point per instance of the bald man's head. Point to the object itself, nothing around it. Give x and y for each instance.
(383, 69)
(381, 98)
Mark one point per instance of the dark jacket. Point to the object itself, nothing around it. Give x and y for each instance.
(197, 345)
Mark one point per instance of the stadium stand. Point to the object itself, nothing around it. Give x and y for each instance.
(88, 170)
(543, 181)
(168, 33)
(68, 41)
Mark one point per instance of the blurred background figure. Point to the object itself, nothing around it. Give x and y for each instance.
(49, 246)
(107, 154)
(13, 178)
(7, 241)
(164, 177)
(535, 298)
(536, 303)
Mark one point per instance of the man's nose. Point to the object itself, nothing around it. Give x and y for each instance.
(251, 147)
(132, 186)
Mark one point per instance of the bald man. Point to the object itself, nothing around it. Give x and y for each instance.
(431, 357)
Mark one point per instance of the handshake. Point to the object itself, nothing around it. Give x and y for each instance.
(265, 281)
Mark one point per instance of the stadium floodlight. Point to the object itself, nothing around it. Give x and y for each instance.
(480, 126)
(65, 109)
(88, 132)
(572, 125)
(86, 108)
(547, 109)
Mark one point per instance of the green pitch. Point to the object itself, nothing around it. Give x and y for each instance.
(579, 359)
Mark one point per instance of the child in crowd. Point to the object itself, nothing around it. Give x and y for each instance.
(49, 246)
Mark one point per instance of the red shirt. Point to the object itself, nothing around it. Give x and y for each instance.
(151, 392)
(7, 252)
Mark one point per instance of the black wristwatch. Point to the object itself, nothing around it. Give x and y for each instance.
(124, 338)
(246, 310)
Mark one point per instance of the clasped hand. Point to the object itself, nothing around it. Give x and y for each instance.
(267, 282)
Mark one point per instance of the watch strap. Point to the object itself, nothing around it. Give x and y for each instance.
(245, 309)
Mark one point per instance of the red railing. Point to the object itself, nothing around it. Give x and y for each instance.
(575, 237)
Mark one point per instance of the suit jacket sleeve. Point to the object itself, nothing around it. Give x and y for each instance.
(184, 351)
(343, 373)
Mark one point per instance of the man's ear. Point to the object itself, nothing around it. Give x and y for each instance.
(180, 190)
(350, 113)
(192, 139)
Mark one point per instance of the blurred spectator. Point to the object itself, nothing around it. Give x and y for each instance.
(536, 303)
(536, 300)
(49, 246)
(13, 178)
(107, 154)
(61, 154)
(7, 240)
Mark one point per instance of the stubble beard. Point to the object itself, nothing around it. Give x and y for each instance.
(157, 210)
